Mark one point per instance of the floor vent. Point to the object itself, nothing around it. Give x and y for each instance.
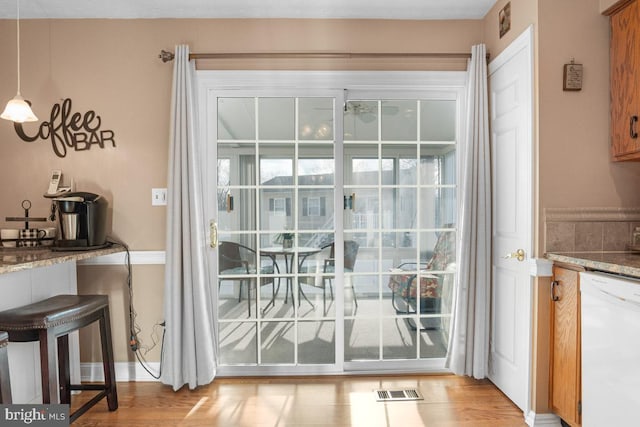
(396, 395)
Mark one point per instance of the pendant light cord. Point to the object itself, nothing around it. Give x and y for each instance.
(18, 39)
(18, 109)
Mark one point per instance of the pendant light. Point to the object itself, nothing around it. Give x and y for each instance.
(18, 110)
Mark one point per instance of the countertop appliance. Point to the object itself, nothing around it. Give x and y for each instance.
(610, 317)
(83, 221)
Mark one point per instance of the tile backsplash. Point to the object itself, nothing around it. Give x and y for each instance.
(589, 229)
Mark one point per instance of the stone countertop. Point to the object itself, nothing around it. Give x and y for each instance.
(17, 259)
(626, 263)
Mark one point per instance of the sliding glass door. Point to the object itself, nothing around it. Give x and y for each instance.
(336, 219)
(276, 220)
(399, 173)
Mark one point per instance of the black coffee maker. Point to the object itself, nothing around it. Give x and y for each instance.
(82, 219)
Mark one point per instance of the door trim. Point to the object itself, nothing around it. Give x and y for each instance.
(210, 83)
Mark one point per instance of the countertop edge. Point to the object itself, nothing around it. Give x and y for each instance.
(624, 263)
(26, 259)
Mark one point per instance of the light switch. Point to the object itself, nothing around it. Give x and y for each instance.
(158, 197)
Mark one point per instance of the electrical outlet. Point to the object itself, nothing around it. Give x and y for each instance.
(158, 197)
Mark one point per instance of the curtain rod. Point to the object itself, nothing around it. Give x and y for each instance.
(167, 56)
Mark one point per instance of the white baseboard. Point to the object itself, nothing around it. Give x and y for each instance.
(125, 371)
(536, 420)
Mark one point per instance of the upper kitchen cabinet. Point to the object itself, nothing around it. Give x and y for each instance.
(625, 81)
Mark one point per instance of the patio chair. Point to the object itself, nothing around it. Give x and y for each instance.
(236, 260)
(327, 267)
(405, 287)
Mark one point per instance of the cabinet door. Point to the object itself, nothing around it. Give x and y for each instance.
(565, 346)
(625, 83)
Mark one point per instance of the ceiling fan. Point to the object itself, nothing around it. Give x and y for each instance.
(367, 110)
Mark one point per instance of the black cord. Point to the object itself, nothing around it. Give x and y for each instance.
(143, 362)
(134, 330)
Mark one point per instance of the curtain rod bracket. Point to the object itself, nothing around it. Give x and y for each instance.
(166, 56)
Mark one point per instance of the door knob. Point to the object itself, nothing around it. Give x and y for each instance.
(519, 255)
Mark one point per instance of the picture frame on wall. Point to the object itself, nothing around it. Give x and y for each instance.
(504, 19)
(572, 77)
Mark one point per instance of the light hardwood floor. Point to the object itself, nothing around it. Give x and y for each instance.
(303, 401)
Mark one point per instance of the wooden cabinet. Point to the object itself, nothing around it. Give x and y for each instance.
(625, 82)
(565, 384)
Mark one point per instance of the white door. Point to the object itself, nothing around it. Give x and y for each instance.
(510, 82)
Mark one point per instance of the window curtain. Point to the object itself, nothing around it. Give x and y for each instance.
(189, 354)
(469, 345)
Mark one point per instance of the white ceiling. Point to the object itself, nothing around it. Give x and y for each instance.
(367, 9)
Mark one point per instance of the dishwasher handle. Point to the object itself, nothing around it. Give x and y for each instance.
(621, 299)
(609, 293)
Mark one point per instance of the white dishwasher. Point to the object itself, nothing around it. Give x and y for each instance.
(610, 307)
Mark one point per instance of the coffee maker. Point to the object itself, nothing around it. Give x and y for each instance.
(82, 220)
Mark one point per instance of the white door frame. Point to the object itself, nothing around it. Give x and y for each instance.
(397, 81)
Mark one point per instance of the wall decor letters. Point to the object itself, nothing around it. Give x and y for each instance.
(67, 130)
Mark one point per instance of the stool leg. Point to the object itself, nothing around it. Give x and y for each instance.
(5, 384)
(47, 366)
(107, 360)
(64, 375)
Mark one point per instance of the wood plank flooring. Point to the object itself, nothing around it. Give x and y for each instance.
(308, 401)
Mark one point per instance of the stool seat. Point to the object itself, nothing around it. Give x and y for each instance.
(52, 320)
(51, 312)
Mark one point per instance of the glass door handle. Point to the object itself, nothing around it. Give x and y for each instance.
(213, 234)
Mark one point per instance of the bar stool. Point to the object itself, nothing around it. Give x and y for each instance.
(53, 319)
(5, 384)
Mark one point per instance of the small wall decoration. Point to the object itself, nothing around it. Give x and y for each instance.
(67, 131)
(572, 76)
(504, 19)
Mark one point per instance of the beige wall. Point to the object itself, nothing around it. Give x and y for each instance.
(606, 5)
(574, 126)
(148, 282)
(111, 66)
